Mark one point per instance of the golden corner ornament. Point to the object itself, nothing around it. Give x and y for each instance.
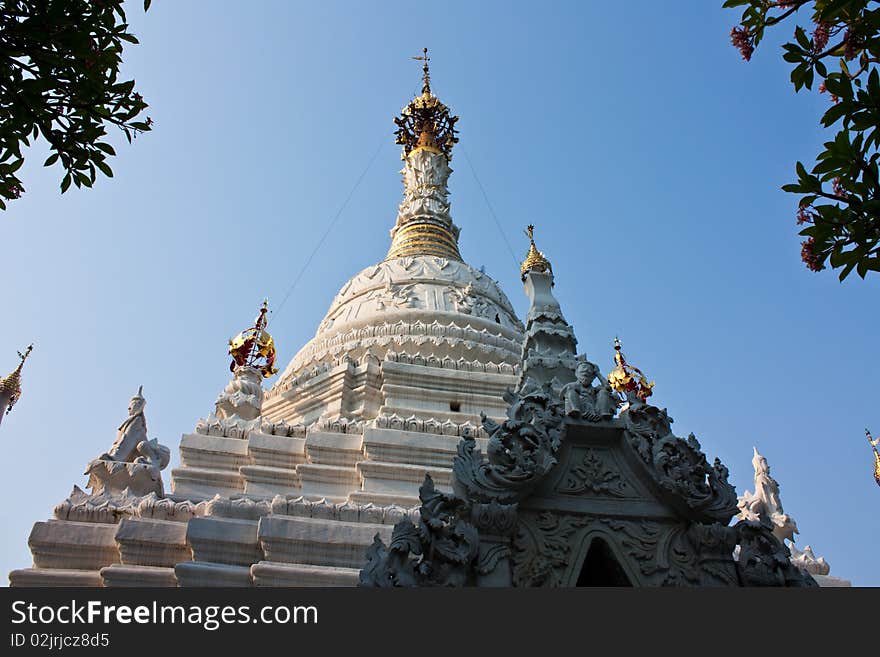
(874, 442)
(626, 378)
(11, 384)
(254, 347)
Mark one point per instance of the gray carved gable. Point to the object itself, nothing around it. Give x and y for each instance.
(555, 485)
(593, 465)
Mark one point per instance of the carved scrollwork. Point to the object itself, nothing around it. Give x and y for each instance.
(542, 548)
(442, 550)
(679, 466)
(521, 450)
(764, 560)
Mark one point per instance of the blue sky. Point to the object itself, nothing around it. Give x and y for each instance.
(648, 155)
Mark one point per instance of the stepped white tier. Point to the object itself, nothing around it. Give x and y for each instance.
(411, 351)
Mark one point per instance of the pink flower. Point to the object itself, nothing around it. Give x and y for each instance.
(820, 37)
(811, 260)
(742, 41)
(804, 216)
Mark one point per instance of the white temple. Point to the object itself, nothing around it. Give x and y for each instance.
(289, 487)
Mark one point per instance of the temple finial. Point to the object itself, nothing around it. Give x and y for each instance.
(254, 347)
(535, 260)
(426, 123)
(626, 378)
(10, 386)
(874, 442)
(426, 73)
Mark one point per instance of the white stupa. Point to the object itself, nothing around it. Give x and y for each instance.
(289, 487)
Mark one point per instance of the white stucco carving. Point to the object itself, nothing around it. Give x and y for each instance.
(806, 560)
(425, 175)
(238, 407)
(765, 505)
(134, 463)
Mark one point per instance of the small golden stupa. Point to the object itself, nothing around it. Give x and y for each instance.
(535, 260)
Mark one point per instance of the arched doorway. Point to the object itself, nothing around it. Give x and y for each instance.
(601, 567)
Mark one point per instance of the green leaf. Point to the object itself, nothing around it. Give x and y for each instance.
(106, 170)
(52, 159)
(802, 38)
(65, 182)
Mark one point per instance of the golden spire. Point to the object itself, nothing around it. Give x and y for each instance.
(874, 442)
(12, 383)
(254, 347)
(628, 378)
(535, 260)
(426, 74)
(426, 123)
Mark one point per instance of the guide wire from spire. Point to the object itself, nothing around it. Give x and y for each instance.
(489, 205)
(332, 223)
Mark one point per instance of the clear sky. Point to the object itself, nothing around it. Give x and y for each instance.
(648, 155)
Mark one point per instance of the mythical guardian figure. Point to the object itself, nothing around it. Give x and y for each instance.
(131, 432)
(133, 464)
(764, 504)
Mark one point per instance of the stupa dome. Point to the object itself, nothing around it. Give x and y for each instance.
(419, 305)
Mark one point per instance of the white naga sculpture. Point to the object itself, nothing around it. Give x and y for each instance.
(134, 463)
(765, 506)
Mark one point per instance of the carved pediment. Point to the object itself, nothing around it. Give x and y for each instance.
(594, 471)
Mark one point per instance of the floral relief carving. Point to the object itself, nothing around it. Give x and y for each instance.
(594, 475)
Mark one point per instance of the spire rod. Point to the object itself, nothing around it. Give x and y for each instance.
(426, 74)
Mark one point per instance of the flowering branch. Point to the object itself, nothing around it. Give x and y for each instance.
(845, 232)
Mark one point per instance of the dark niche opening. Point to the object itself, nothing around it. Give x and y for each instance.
(601, 568)
(454, 406)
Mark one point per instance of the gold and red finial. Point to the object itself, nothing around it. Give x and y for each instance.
(254, 347)
(874, 442)
(11, 384)
(426, 123)
(535, 260)
(626, 378)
